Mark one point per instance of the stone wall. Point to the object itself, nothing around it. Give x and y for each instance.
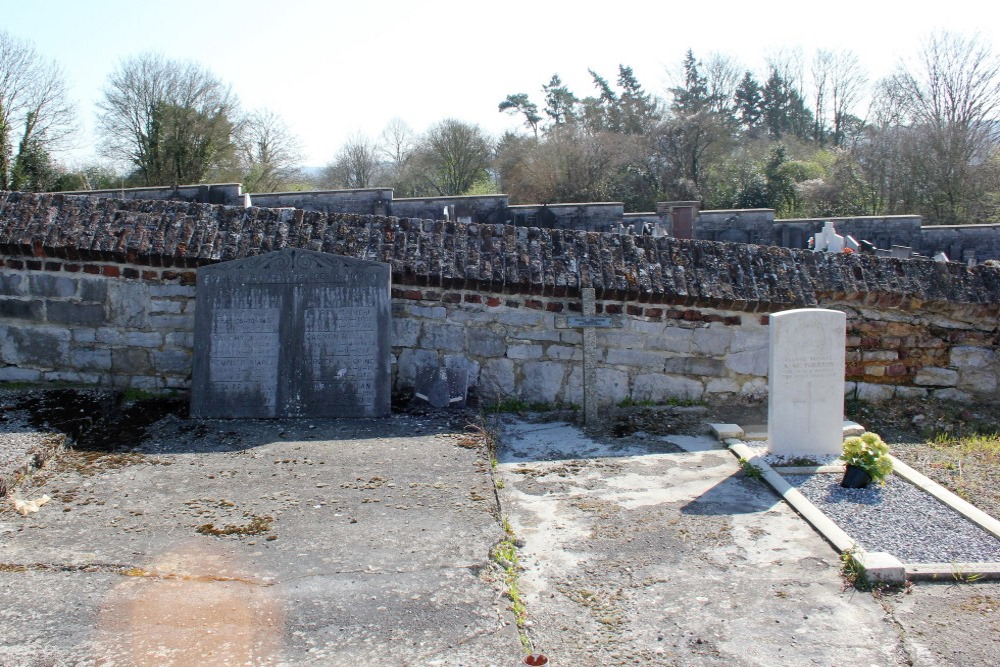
(367, 201)
(101, 291)
(591, 217)
(228, 194)
(488, 209)
(752, 225)
(962, 242)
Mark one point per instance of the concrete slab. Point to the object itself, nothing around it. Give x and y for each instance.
(880, 567)
(374, 546)
(659, 551)
(724, 431)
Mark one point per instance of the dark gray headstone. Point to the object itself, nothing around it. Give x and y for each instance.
(293, 333)
(443, 387)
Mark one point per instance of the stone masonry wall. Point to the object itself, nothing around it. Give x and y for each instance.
(102, 291)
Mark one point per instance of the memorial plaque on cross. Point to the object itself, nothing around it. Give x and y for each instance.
(292, 333)
(588, 323)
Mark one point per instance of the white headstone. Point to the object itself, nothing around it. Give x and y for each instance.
(828, 239)
(805, 405)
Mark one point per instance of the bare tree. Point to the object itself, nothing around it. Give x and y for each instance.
(173, 122)
(950, 100)
(269, 154)
(452, 156)
(847, 81)
(355, 166)
(35, 111)
(820, 68)
(723, 75)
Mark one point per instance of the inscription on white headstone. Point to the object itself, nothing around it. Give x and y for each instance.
(805, 406)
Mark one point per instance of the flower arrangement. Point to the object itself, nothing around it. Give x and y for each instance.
(848, 251)
(869, 453)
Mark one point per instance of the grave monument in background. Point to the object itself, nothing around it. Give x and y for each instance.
(805, 404)
(292, 333)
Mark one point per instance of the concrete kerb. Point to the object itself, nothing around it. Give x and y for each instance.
(879, 567)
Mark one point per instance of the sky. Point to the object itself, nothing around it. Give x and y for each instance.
(333, 69)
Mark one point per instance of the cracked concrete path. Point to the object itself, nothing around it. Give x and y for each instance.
(281, 542)
(654, 550)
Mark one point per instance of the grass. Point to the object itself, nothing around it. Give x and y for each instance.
(750, 470)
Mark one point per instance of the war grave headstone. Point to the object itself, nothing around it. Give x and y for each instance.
(293, 333)
(805, 405)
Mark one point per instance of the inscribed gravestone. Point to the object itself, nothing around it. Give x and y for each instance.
(293, 333)
(805, 405)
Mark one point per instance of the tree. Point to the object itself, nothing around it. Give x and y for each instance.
(560, 103)
(692, 96)
(519, 103)
(749, 103)
(723, 78)
(356, 165)
(847, 84)
(35, 111)
(269, 155)
(452, 156)
(172, 122)
(949, 98)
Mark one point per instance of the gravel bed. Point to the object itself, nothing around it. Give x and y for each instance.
(899, 519)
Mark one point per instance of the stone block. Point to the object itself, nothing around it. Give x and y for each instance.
(651, 361)
(540, 335)
(964, 356)
(519, 318)
(405, 332)
(936, 377)
(910, 392)
(874, 393)
(84, 335)
(410, 362)
(35, 346)
(19, 309)
(172, 361)
(977, 381)
(93, 289)
(130, 361)
(645, 328)
(951, 394)
(109, 336)
(750, 362)
(52, 286)
(573, 387)
(727, 431)
(542, 381)
(744, 341)
(615, 338)
(179, 339)
(90, 360)
(721, 386)
(430, 312)
(443, 337)
(127, 305)
(695, 366)
(881, 567)
(712, 341)
(564, 352)
(879, 355)
(146, 383)
(165, 306)
(754, 390)
(496, 379)
(13, 285)
(66, 312)
(659, 388)
(571, 336)
(483, 342)
(166, 291)
(170, 322)
(611, 386)
(142, 338)
(15, 374)
(524, 351)
(673, 339)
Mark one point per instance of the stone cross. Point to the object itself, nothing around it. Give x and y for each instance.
(588, 323)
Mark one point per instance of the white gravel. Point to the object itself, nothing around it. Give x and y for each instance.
(899, 519)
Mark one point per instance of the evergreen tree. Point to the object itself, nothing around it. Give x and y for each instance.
(748, 103)
(560, 103)
(693, 96)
